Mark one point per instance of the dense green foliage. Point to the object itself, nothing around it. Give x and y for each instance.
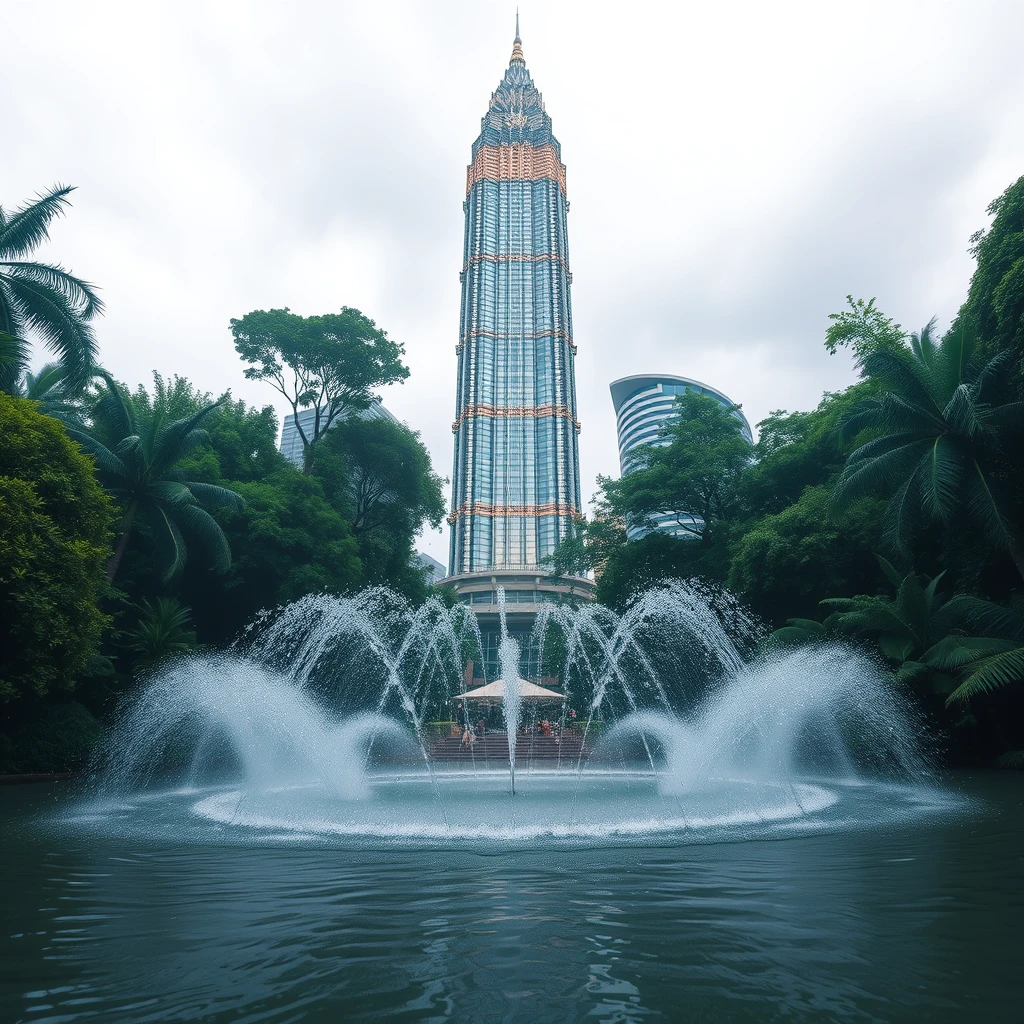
(185, 501)
(53, 544)
(994, 309)
(138, 445)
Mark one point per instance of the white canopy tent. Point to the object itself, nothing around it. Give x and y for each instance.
(495, 692)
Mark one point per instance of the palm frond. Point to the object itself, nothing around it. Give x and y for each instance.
(961, 414)
(975, 616)
(171, 548)
(61, 326)
(112, 470)
(113, 411)
(205, 531)
(13, 361)
(901, 374)
(214, 496)
(866, 472)
(55, 278)
(900, 515)
(173, 439)
(942, 478)
(984, 509)
(952, 653)
(990, 674)
(29, 226)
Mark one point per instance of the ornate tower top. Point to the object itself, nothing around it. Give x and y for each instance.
(516, 112)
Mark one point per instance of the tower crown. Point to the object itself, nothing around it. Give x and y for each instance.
(516, 112)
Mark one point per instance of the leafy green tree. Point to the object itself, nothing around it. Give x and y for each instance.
(633, 567)
(942, 422)
(570, 561)
(328, 363)
(41, 298)
(54, 541)
(136, 452)
(795, 451)
(782, 563)
(864, 329)
(994, 309)
(380, 473)
(286, 542)
(691, 472)
(161, 632)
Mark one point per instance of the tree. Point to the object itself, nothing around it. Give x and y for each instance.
(54, 541)
(161, 632)
(52, 392)
(783, 563)
(690, 473)
(926, 635)
(41, 297)
(942, 421)
(864, 329)
(286, 542)
(994, 308)
(570, 561)
(327, 363)
(379, 472)
(136, 451)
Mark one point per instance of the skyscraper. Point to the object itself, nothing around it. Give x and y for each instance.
(644, 403)
(516, 480)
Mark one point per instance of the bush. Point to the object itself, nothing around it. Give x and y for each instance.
(56, 738)
(53, 546)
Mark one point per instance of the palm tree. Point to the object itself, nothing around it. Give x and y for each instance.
(161, 632)
(136, 458)
(961, 645)
(52, 392)
(941, 420)
(41, 297)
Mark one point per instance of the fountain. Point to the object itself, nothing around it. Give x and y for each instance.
(325, 722)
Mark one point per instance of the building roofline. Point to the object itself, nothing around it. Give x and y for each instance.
(624, 387)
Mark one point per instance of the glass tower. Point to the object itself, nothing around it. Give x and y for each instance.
(516, 480)
(643, 404)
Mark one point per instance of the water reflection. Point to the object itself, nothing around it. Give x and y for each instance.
(887, 926)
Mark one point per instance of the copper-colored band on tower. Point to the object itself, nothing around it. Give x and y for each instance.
(518, 258)
(534, 412)
(517, 162)
(550, 508)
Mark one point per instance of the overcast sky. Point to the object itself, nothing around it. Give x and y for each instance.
(734, 170)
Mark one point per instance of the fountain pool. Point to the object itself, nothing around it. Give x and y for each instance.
(323, 725)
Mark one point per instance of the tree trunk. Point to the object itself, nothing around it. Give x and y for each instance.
(122, 541)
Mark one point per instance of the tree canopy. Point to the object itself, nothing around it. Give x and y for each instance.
(327, 364)
(53, 545)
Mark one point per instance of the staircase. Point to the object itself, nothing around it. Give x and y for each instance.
(530, 749)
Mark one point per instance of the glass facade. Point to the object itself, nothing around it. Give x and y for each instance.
(516, 482)
(642, 405)
(291, 440)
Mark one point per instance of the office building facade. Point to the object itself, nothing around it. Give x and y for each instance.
(643, 403)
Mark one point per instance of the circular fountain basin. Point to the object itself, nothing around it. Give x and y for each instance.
(475, 808)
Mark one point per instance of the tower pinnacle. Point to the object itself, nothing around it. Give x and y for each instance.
(517, 44)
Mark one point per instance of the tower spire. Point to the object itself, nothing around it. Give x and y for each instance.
(517, 44)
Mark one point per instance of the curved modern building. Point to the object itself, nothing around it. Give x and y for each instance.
(516, 477)
(643, 403)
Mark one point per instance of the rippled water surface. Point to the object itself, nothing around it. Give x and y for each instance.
(919, 921)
